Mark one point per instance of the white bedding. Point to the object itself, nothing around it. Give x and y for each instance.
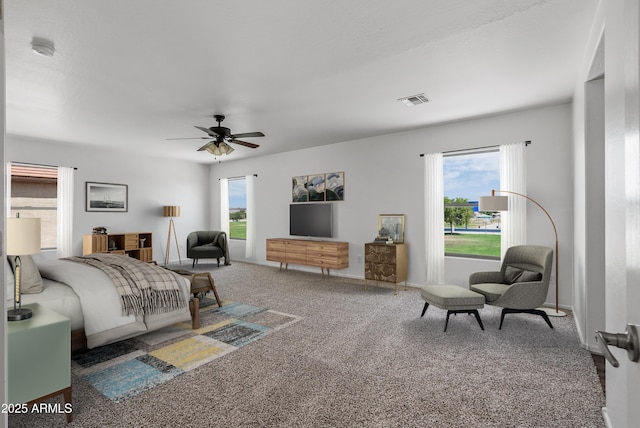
(59, 298)
(100, 303)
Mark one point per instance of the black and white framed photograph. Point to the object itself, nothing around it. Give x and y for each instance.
(391, 226)
(107, 197)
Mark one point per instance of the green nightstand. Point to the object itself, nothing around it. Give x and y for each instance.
(39, 358)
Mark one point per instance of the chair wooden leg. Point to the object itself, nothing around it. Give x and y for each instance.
(213, 287)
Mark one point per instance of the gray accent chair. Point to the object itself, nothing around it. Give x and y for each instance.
(521, 284)
(208, 244)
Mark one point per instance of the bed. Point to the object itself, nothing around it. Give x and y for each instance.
(87, 296)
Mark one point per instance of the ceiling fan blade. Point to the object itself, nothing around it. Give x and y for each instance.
(189, 138)
(208, 131)
(206, 146)
(244, 143)
(248, 134)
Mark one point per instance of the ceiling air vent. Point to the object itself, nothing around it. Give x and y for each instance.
(414, 100)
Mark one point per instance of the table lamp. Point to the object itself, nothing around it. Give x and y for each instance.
(23, 238)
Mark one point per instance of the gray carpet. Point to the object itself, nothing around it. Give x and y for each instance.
(364, 359)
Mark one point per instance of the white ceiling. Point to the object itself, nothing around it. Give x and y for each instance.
(130, 74)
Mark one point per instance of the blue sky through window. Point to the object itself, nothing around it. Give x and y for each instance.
(237, 193)
(471, 176)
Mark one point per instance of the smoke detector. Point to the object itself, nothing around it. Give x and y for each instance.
(414, 100)
(42, 47)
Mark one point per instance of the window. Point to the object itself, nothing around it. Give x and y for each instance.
(34, 195)
(237, 208)
(467, 176)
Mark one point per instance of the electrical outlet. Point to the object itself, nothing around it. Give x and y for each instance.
(359, 259)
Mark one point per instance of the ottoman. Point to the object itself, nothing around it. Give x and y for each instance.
(454, 299)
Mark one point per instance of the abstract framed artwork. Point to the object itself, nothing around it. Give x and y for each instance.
(334, 184)
(391, 225)
(299, 192)
(318, 187)
(107, 197)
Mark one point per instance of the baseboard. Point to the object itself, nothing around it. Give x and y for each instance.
(605, 416)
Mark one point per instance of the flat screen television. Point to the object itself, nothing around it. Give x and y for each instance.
(313, 220)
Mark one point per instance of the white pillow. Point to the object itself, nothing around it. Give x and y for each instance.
(30, 279)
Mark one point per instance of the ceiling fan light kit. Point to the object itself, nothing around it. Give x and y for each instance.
(219, 149)
(221, 136)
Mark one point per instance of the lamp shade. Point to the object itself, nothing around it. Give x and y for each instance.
(220, 149)
(171, 211)
(23, 236)
(493, 203)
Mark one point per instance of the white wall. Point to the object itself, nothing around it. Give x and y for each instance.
(589, 192)
(385, 174)
(152, 182)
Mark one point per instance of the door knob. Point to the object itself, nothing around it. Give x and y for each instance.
(627, 340)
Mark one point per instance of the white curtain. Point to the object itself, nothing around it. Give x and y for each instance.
(434, 218)
(513, 178)
(65, 211)
(250, 243)
(224, 206)
(7, 182)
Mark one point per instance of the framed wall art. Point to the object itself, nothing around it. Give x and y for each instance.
(334, 184)
(107, 197)
(391, 225)
(318, 187)
(315, 186)
(299, 191)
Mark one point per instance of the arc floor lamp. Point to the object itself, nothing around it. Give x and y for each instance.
(501, 203)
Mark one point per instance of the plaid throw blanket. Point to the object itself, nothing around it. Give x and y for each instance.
(143, 288)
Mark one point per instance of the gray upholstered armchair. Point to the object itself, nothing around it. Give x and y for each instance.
(521, 284)
(208, 244)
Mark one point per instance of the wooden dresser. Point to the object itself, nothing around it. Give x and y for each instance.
(385, 263)
(138, 245)
(323, 254)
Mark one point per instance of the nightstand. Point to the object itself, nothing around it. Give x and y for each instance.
(39, 358)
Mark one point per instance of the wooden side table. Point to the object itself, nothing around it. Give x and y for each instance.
(39, 358)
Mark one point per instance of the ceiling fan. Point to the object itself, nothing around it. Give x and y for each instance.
(221, 136)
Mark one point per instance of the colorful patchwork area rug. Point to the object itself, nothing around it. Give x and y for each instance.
(127, 368)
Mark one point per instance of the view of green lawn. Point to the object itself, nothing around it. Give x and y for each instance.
(479, 244)
(482, 244)
(237, 230)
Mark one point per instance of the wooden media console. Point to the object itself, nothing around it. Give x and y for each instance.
(323, 254)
